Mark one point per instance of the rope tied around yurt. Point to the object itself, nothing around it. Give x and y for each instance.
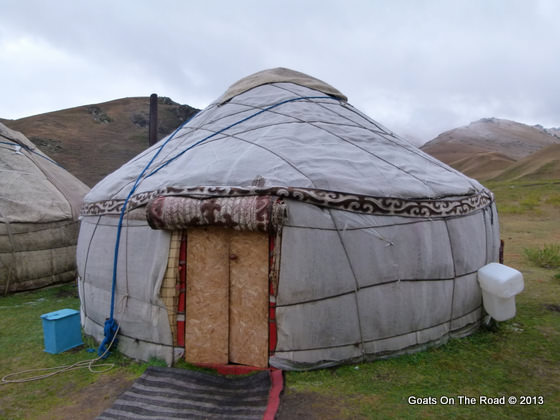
(110, 331)
(28, 149)
(111, 326)
(268, 108)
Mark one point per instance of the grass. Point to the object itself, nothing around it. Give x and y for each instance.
(518, 358)
(21, 348)
(547, 257)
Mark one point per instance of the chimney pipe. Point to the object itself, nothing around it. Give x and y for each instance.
(152, 128)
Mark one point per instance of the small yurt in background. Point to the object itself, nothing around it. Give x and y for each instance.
(283, 227)
(39, 210)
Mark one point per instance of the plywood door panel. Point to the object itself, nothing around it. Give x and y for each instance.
(248, 300)
(207, 296)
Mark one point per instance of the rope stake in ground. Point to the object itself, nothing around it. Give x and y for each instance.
(110, 331)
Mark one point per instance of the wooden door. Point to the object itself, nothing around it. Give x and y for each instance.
(227, 297)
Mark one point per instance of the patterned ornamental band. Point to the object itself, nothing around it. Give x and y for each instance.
(254, 213)
(388, 206)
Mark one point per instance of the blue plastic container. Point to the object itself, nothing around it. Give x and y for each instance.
(61, 330)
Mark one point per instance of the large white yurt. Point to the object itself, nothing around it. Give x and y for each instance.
(39, 209)
(283, 227)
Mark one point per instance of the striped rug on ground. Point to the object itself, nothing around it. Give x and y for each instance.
(168, 393)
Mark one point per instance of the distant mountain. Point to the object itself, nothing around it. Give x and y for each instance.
(92, 141)
(544, 164)
(555, 131)
(485, 147)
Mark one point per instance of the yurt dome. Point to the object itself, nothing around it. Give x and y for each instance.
(39, 209)
(283, 227)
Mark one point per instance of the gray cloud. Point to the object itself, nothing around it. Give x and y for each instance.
(418, 67)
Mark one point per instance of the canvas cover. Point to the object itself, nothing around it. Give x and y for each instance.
(379, 249)
(279, 75)
(39, 209)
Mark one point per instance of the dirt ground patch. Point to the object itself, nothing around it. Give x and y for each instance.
(91, 401)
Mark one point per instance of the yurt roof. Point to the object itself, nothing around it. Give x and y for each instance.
(279, 75)
(34, 188)
(281, 128)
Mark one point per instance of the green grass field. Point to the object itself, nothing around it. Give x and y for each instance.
(519, 358)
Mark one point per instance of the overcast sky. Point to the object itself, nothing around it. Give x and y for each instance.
(417, 67)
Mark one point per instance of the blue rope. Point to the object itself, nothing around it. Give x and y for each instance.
(110, 325)
(27, 148)
(233, 125)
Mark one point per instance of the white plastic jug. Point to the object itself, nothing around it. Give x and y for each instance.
(500, 284)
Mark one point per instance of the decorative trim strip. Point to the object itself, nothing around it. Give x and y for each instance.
(387, 206)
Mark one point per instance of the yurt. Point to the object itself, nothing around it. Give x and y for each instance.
(283, 227)
(39, 209)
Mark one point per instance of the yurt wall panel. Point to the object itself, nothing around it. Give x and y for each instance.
(38, 254)
(314, 266)
(401, 307)
(133, 346)
(433, 334)
(466, 324)
(346, 220)
(88, 227)
(320, 324)
(143, 255)
(43, 263)
(131, 313)
(468, 242)
(97, 253)
(391, 345)
(406, 343)
(466, 295)
(322, 357)
(36, 236)
(411, 251)
(37, 282)
(138, 313)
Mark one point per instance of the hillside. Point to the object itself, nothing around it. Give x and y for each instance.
(555, 131)
(509, 138)
(91, 141)
(488, 146)
(483, 165)
(544, 164)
